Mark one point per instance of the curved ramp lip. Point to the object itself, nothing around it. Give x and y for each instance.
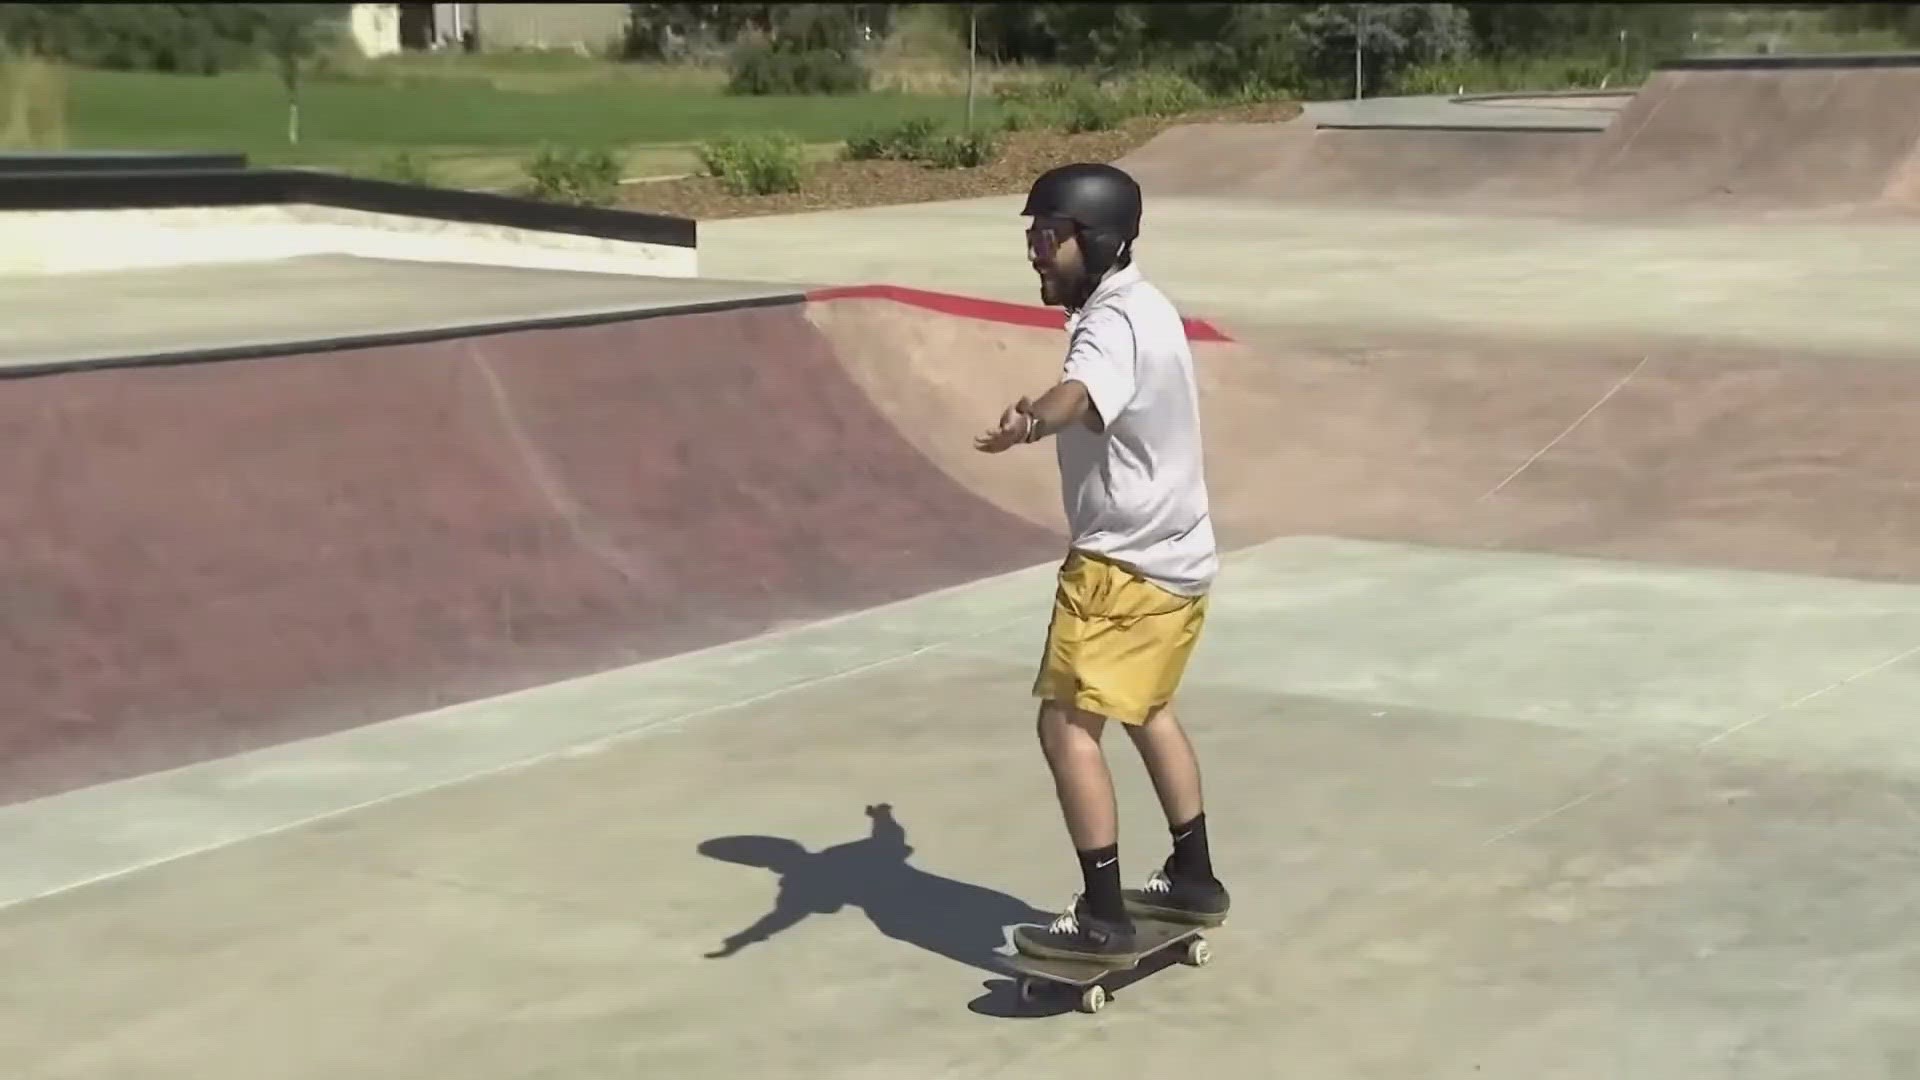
(373, 339)
(985, 310)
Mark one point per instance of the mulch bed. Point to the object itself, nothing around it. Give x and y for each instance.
(842, 185)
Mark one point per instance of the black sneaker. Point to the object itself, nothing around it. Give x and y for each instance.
(1077, 935)
(1180, 898)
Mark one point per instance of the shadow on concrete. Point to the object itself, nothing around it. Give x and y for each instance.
(962, 922)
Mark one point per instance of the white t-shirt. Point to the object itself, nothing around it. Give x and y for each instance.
(1136, 492)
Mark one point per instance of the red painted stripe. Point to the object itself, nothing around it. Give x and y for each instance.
(973, 307)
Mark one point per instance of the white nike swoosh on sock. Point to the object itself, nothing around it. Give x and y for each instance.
(1109, 862)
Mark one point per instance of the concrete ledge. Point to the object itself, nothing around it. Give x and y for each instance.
(1793, 61)
(1540, 95)
(162, 188)
(1490, 129)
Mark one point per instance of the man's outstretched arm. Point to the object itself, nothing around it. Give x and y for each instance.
(1029, 420)
(1096, 385)
(1066, 403)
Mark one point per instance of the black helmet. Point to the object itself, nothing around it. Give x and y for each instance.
(1098, 198)
(1102, 200)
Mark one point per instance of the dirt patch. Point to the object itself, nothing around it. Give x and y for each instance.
(844, 185)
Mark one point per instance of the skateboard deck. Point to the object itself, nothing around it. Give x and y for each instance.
(1153, 936)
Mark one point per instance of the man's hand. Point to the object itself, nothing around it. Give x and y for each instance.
(1014, 425)
(1067, 403)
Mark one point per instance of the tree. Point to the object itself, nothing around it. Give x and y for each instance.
(651, 26)
(1259, 47)
(198, 39)
(1513, 31)
(1100, 34)
(1388, 36)
(1901, 19)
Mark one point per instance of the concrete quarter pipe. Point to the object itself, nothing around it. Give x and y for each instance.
(1747, 134)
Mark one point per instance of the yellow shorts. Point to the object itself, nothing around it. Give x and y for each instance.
(1118, 644)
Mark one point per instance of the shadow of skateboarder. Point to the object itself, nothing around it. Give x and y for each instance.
(964, 923)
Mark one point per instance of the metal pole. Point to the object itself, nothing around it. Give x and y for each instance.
(1359, 37)
(973, 44)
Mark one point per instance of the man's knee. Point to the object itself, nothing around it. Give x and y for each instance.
(1158, 719)
(1061, 723)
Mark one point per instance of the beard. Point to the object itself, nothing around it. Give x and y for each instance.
(1056, 288)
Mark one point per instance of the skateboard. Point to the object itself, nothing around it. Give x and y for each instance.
(1154, 935)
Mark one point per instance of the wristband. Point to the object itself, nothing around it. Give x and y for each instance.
(1033, 428)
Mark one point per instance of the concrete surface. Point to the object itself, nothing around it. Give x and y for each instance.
(1484, 815)
(1246, 262)
(156, 311)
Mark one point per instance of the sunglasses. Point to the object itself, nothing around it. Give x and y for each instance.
(1042, 241)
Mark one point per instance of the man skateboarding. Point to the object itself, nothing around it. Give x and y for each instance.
(1132, 593)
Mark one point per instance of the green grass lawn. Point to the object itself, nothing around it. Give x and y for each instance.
(477, 118)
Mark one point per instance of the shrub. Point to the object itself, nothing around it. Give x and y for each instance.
(1161, 93)
(1092, 109)
(968, 151)
(579, 177)
(754, 164)
(404, 168)
(910, 140)
(1043, 103)
(765, 69)
(865, 146)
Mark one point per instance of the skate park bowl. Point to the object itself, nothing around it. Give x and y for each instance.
(506, 670)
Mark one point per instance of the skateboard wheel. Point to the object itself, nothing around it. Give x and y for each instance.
(1093, 999)
(1199, 952)
(1029, 990)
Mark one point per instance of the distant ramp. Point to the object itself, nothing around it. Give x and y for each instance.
(1807, 133)
(1742, 134)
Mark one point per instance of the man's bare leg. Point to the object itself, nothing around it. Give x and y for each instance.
(1171, 764)
(1070, 738)
(1186, 885)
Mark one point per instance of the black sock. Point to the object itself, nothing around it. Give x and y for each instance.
(1190, 855)
(1101, 869)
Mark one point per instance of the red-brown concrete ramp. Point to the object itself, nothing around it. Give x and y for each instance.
(1742, 135)
(204, 558)
(211, 557)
